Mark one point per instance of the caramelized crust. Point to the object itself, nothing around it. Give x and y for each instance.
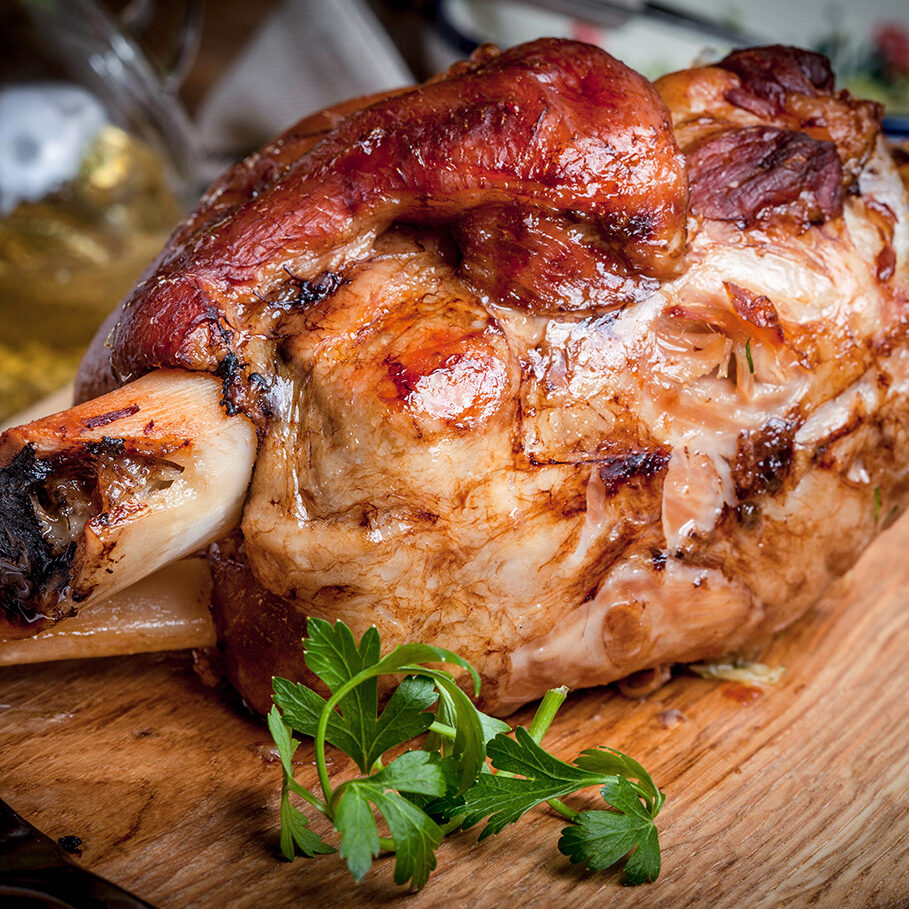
(775, 109)
(795, 89)
(531, 260)
(761, 173)
(557, 128)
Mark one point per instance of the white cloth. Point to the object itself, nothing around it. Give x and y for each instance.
(307, 55)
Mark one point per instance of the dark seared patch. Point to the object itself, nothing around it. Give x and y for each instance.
(71, 844)
(303, 293)
(528, 259)
(632, 468)
(763, 459)
(639, 225)
(825, 454)
(31, 571)
(768, 74)
(104, 418)
(570, 501)
(658, 557)
(330, 594)
(748, 515)
(761, 173)
(228, 371)
(108, 447)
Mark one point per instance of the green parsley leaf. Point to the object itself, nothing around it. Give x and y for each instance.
(416, 836)
(359, 834)
(287, 747)
(748, 356)
(301, 707)
(523, 755)
(492, 726)
(504, 799)
(294, 823)
(283, 742)
(609, 761)
(404, 717)
(332, 654)
(469, 747)
(295, 831)
(420, 772)
(602, 838)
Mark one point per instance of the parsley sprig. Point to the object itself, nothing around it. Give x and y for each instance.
(471, 767)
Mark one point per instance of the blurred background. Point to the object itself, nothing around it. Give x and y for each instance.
(115, 114)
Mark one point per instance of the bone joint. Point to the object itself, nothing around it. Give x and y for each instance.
(96, 497)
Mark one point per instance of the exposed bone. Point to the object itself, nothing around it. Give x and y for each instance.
(96, 497)
(166, 611)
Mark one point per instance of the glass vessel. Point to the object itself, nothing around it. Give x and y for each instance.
(96, 167)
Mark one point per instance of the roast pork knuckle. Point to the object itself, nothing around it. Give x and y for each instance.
(571, 373)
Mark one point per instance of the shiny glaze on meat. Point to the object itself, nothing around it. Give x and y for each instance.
(561, 130)
(516, 395)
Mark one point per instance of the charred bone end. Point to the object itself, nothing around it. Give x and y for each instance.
(99, 496)
(32, 569)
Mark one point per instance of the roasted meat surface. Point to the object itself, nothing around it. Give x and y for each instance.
(574, 374)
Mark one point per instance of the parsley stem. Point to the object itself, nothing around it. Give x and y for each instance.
(451, 825)
(443, 729)
(322, 729)
(568, 813)
(292, 786)
(539, 725)
(549, 707)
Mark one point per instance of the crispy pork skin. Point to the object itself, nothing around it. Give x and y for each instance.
(575, 375)
(558, 129)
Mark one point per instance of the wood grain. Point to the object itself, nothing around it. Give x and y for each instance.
(799, 797)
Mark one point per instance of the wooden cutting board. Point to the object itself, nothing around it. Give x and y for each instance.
(795, 797)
